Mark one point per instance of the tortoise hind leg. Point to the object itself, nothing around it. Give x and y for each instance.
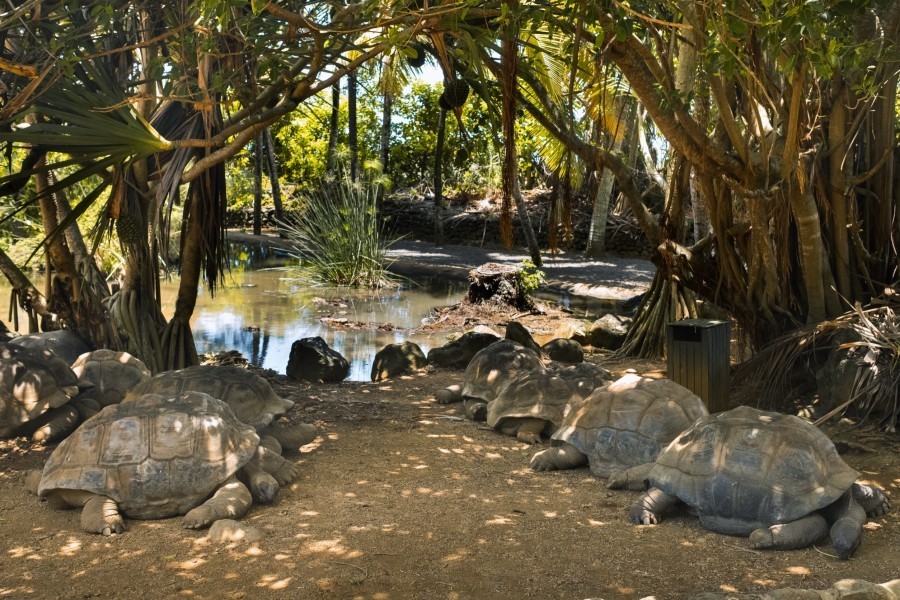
(874, 501)
(790, 536)
(231, 501)
(291, 436)
(649, 508)
(564, 456)
(634, 478)
(526, 429)
(101, 515)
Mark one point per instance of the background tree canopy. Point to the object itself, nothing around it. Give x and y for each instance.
(779, 119)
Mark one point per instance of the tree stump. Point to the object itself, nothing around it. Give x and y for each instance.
(498, 284)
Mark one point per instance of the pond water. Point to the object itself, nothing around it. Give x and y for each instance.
(262, 312)
(264, 307)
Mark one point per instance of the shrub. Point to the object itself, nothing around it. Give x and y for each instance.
(337, 234)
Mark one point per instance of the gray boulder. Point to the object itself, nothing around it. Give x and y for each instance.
(311, 359)
(609, 332)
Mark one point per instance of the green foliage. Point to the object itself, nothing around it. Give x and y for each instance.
(530, 277)
(337, 233)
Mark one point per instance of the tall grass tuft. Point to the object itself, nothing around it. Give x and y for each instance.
(337, 234)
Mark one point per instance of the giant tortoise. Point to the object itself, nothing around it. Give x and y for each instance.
(250, 397)
(775, 477)
(154, 457)
(35, 390)
(622, 425)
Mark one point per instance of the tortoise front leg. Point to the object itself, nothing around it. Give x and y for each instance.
(650, 506)
(564, 456)
(231, 501)
(847, 518)
(874, 501)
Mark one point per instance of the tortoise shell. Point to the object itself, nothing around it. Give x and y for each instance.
(157, 456)
(32, 382)
(250, 397)
(629, 422)
(539, 394)
(493, 367)
(65, 344)
(107, 375)
(745, 468)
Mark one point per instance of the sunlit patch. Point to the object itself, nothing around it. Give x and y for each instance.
(350, 495)
(253, 551)
(421, 467)
(872, 525)
(493, 455)
(728, 588)
(769, 582)
(326, 546)
(309, 513)
(190, 564)
(456, 556)
(550, 514)
(273, 583)
(499, 521)
(20, 552)
(594, 523)
(282, 556)
(798, 571)
(72, 546)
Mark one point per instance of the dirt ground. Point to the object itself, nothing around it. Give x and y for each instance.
(399, 498)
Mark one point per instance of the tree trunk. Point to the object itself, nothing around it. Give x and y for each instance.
(386, 116)
(439, 180)
(511, 193)
(257, 183)
(352, 126)
(272, 169)
(334, 127)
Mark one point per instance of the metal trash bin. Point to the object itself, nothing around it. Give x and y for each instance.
(699, 358)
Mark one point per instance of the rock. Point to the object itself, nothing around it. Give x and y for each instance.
(484, 329)
(229, 530)
(564, 350)
(516, 332)
(458, 353)
(312, 360)
(609, 332)
(397, 359)
(572, 331)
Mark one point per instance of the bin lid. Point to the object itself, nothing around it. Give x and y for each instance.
(699, 323)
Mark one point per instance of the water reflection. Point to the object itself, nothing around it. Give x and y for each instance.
(260, 313)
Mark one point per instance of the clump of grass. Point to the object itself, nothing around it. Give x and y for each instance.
(337, 234)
